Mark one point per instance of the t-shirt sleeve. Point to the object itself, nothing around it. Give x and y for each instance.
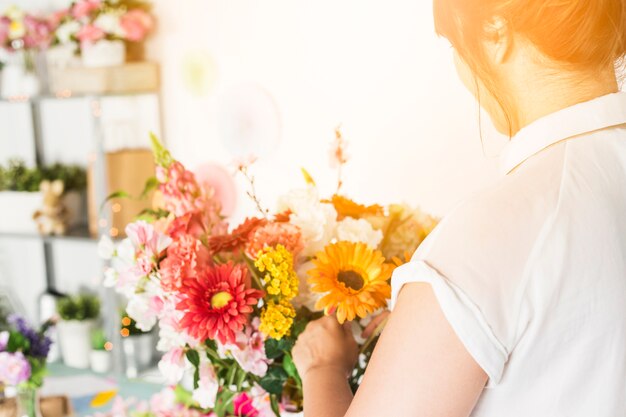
(461, 312)
(476, 260)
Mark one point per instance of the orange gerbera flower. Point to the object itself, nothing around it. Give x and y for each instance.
(349, 208)
(354, 278)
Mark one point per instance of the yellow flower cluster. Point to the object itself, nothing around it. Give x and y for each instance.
(277, 319)
(279, 277)
(281, 283)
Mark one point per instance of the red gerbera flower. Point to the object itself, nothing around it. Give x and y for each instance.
(236, 239)
(216, 304)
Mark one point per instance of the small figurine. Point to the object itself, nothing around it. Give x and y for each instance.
(51, 218)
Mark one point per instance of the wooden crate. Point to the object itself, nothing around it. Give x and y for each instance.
(136, 77)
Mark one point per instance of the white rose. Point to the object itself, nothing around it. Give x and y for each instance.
(109, 23)
(358, 230)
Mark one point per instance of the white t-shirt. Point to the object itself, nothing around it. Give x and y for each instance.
(531, 273)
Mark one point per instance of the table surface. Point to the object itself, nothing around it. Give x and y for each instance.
(127, 388)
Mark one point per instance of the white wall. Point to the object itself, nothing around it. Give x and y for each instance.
(375, 67)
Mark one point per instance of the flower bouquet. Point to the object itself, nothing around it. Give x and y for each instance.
(100, 29)
(23, 353)
(231, 304)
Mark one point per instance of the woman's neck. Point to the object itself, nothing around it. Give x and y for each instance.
(543, 94)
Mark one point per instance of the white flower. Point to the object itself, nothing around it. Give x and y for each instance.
(316, 220)
(208, 385)
(358, 230)
(305, 297)
(144, 308)
(66, 31)
(110, 278)
(173, 365)
(109, 23)
(106, 248)
(14, 13)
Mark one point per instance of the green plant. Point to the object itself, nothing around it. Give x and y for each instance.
(98, 340)
(16, 176)
(80, 307)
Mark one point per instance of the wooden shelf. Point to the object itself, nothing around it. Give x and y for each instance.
(77, 234)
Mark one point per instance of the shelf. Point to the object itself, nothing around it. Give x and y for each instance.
(77, 234)
(70, 96)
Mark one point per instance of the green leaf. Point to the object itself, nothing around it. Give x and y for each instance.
(151, 184)
(290, 368)
(17, 341)
(274, 380)
(193, 357)
(114, 195)
(162, 157)
(183, 396)
(274, 404)
(275, 348)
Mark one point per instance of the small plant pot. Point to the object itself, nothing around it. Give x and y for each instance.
(101, 361)
(75, 341)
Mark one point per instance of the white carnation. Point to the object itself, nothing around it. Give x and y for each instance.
(358, 230)
(109, 23)
(66, 31)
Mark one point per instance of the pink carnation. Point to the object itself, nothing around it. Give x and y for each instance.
(136, 24)
(89, 34)
(14, 368)
(273, 234)
(185, 258)
(84, 8)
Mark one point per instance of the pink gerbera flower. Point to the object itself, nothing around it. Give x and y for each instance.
(216, 304)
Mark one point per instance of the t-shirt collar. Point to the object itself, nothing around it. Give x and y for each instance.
(601, 112)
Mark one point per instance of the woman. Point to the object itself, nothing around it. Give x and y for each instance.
(516, 303)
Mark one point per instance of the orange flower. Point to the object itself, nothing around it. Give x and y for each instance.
(237, 238)
(273, 234)
(354, 279)
(348, 208)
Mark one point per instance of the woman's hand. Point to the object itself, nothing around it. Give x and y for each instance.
(373, 325)
(326, 344)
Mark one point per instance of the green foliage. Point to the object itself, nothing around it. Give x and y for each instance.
(16, 176)
(80, 307)
(274, 380)
(276, 348)
(17, 342)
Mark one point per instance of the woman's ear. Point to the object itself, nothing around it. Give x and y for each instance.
(499, 40)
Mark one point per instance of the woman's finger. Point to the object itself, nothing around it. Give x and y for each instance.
(369, 329)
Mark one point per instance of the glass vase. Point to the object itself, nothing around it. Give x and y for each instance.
(28, 403)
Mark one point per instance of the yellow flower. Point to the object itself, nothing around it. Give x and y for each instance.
(354, 279)
(279, 277)
(277, 319)
(405, 230)
(16, 29)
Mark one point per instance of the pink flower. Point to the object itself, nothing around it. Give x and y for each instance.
(89, 34)
(181, 192)
(55, 19)
(243, 406)
(38, 33)
(185, 258)
(172, 365)
(14, 368)
(273, 234)
(84, 8)
(5, 22)
(136, 24)
(208, 385)
(4, 340)
(249, 350)
(149, 244)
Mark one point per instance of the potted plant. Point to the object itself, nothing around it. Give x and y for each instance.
(21, 197)
(100, 357)
(78, 315)
(138, 346)
(22, 36)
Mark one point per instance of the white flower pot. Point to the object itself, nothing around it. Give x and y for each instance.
(138, 353)
(75, 341)
(17, 208)
(104, 53)
(101, 361)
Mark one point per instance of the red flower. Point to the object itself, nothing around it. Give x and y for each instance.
(216, 304)
(236, 239)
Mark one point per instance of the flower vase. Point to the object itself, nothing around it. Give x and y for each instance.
(19, 76)
(75, 342)
(28, 403)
